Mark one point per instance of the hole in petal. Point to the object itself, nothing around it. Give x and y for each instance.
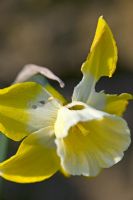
(34, 106)
(42, 102)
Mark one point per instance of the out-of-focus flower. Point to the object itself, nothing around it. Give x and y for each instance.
(77, 138)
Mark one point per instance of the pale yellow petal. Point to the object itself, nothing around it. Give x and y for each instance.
(22, 109)
(92, 145)
(42, 115)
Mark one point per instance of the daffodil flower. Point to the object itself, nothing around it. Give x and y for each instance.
(77, 138)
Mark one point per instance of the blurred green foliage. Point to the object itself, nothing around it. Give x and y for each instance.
(3, 147)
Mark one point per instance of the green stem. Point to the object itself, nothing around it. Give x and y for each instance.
(3, 153)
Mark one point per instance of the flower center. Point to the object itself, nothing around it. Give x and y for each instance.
(76, 105)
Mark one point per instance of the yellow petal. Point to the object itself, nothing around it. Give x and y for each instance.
(101, 61)
(22, 109)
(103, 52)
(93, 145)
(35, 160)
(117, 104)
(113, 104)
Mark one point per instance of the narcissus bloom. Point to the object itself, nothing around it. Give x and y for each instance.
(77, 138)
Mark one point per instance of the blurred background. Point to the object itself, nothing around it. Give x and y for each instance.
(57, 34)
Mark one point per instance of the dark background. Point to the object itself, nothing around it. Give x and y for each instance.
(57, 34)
